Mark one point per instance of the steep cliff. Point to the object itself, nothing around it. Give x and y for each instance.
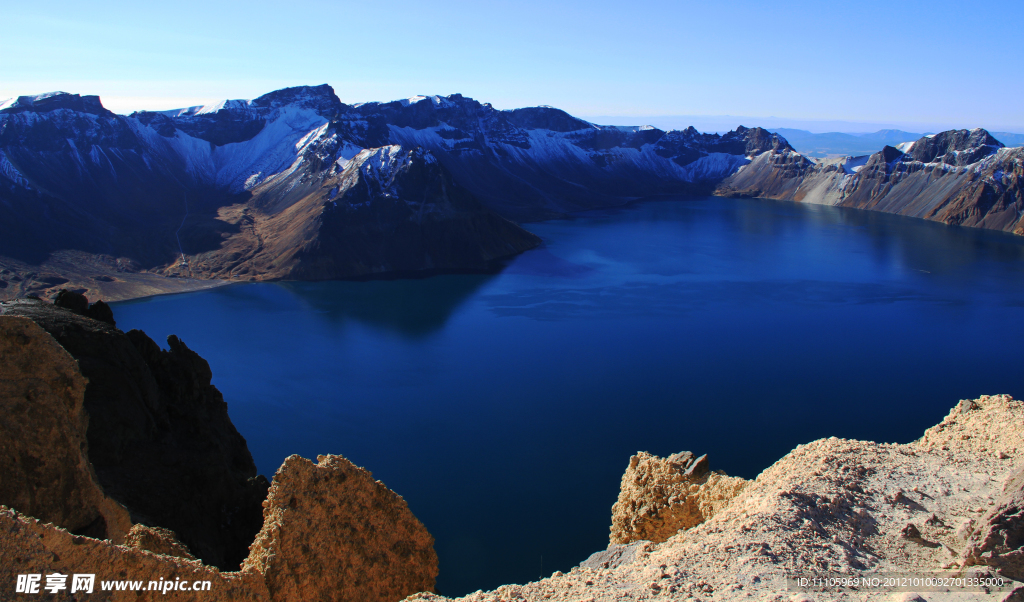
(44, 456)
(159, 436)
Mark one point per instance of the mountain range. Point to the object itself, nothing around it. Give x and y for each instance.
(833, 144)
(296, 184)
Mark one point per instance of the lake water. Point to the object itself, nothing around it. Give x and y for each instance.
(505, 407)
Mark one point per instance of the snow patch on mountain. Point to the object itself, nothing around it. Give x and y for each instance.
(208, 109)
(275, 151)
(855, 164)
(11, 172)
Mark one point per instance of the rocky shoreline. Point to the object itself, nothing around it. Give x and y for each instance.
(119, 459)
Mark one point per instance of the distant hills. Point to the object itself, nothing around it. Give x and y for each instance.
(839, 144)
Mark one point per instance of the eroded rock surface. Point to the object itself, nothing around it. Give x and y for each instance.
(998, 540)
(332, 532)
(662, 496)
(28, 546)
(157, 540)
(44, 464)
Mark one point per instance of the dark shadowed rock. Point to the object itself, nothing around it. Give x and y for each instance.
(159, 434)
(44, 466)
(102, 312)
(75, 302)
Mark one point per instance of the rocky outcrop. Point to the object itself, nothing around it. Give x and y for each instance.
(661, 496)
(30, 547)
(998, 539)
(159, 436)
(44, 464)
(959, 177)
(331, 532)
(157, 540)
(830, 506)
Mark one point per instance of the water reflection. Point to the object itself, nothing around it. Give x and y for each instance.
(413, 308)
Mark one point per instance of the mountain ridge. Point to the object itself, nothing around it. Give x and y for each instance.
(245, 189)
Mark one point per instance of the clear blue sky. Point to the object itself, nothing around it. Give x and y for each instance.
(899, 62)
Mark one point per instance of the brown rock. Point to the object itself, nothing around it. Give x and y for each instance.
(28, 547)
(331, 532)
(998, 538)
(157, 540)
(661, 496)
(44, 464)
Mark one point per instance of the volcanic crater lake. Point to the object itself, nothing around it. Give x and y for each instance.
(505, 407)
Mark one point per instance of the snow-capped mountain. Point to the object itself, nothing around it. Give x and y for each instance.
(297, 184)
(527, 163)
(960, 177)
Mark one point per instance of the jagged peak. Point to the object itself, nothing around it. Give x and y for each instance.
(52, 101)
(888, 154)
(939, 146)
(320, 98)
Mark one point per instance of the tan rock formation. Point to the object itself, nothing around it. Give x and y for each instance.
(832, 505)
(332, 532)
(29, 547)
(44, 466)
(157, 540)
(661, 496)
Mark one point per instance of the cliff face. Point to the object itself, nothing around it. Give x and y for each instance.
(960, 177)
(159, 436)
(44, 456)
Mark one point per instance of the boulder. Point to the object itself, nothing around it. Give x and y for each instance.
(661, 496)
(44, 463)
(333, 533)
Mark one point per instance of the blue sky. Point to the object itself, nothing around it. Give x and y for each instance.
(895, 63)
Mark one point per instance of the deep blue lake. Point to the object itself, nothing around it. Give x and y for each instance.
(505, 407)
